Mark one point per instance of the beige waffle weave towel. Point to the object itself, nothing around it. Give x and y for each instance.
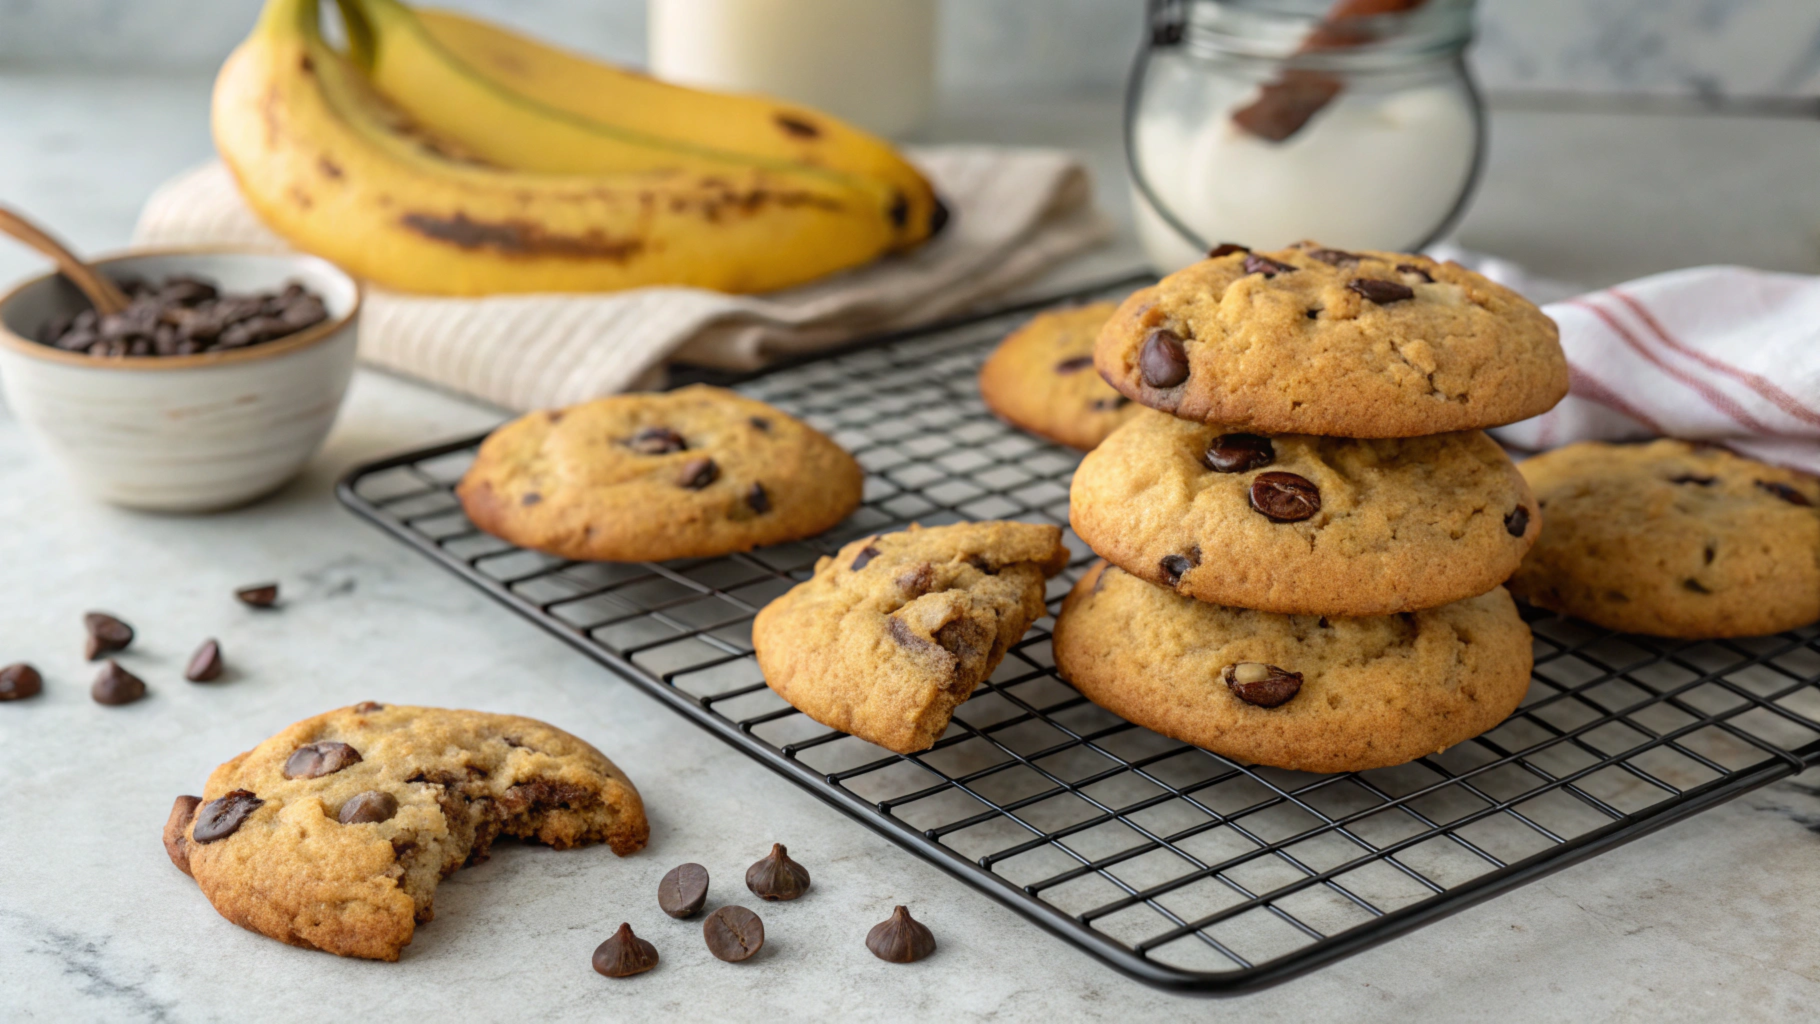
(1017, 212)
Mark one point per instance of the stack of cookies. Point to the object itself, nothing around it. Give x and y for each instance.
(1307, 538)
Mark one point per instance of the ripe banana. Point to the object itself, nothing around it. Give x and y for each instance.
(338, 172)
(521, 104)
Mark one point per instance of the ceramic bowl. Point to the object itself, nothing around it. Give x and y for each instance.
(182, 433)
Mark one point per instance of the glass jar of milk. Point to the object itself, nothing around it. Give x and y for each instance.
(1264, 122)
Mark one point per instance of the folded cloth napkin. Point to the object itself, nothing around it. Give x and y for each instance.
(1016, 213)
(1722, 354)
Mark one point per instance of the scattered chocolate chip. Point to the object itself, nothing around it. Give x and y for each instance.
(1380, 292)
(1411, 268)
(1694, 585)
(1314, 314)
(1334, 257)
(20, 681)
(900, 939)
(1075, 365)
(114, 685)
(530, 498)
(106, 634)
(1163, 362)
(916, 581)
(683, 890)
(1174, 568)
(697, 473)
(367, 707)
(220, 818)
(1261, 685)
(368, 808)
(624, 955)
(324, 757)
(656, 441)
(1695, 479)
(757, 499)
(1255, 264)
(1238, 453)
(733, 933)
(1285, 497)
(1785, 492)
(1712, 550)
(1226, 249)
(1517, 522)
(205, 665)
(864, 558)
(777, 877)
(760, 423)
(259, 595)
(177, 831)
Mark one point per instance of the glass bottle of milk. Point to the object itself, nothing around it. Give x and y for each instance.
(1264, 122)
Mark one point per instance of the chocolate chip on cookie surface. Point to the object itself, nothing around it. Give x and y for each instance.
(695, 472)
(894, 631)
(1311, 340)
(334, 833)
(1293, 691)
(1041, 379)
(1673, 539)
(1300, 524)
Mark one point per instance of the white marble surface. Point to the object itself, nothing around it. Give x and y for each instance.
(1710, 919)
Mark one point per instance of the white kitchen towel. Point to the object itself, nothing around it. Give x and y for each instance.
(1723, 354)
(1016, 213)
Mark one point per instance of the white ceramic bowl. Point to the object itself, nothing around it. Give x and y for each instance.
(182, 433)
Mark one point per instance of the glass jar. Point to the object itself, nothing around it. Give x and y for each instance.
(1265, 122)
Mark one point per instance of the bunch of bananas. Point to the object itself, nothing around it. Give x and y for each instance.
(444, 155)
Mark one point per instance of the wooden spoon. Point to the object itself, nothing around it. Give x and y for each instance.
(104, 293)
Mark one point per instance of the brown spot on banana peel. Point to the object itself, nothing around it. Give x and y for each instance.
(520, 238)
(797, 127)
(328, 167)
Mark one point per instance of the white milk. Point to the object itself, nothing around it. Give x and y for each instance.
(1370, 171)
(871, 62)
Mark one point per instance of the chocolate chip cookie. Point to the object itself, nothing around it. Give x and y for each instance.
(1041, 379)
(333, 834)
(695, 472)
(891, 634)
(1293, 691)
(1310, 340)
(1304, 525)
(1673, 540)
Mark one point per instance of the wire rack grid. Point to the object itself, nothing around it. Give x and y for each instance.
(1174, 865)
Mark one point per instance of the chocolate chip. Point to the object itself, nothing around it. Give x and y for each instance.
(114, 685)
(222, 817)
(1411, 268)
(177, 831)
(733, 933)
(1226, 249)
(1694, 585)
(205, 665)
(1255, 264)
(1261, 685)
(900, 939)
(1238, 453)
(760, 423)
(1695, 479)
(106, 634)
(697, 473)
(1314, 314)
(368, 808)
(1163, 362)
(367, 707)
(683, 891)
(1109, 404)
(864, 558)
(777, 877)
(1175, 567)
(314, 760)
(1380, 292)
(624, 955)
(656, 441)
(259, 595)
(915, 581)
(1785, 492)
(1517, 522)
(1285, 497)
(530, 498)
(757, 499)
(20, 681)
(1075, 365)
(1334, 257)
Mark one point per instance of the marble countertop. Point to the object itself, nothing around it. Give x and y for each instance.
(1709, 919)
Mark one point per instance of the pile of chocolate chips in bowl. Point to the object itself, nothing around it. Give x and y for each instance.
(185, 316)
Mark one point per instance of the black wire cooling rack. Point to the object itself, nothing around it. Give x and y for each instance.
(1176, 866)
